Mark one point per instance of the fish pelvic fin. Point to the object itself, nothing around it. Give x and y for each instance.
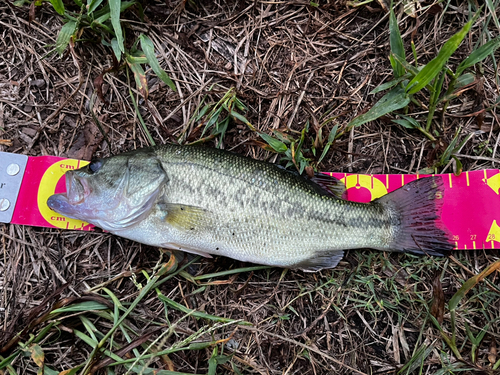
(187, 249)
(320, 260)
(185, 217)
(415, 211)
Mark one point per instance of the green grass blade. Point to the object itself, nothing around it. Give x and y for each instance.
(93, 6)
(479, 55)
(115, 8)
(432, 69)
(141, 120)
(64, 36)
(80, 307)
(493, 10)
(149, 50)
(277, 145)
(471, 283)
(392, 101)
(416, 360)
(397, 46)
(196, 314)
(331, 138)
(152, 283)
(58, 6)
(230, 272)
(5, 362)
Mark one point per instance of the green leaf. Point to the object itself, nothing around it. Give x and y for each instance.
(242, 119)
(212, 363)
(392, 101)
(58, 6)
(479, 54)
(397, 46)
(407, 123)
(464, 80)
(48, 371)
(390, 84)
(149, 50)
(277, 146)
(432, 69)
(116, 49)
(64, 36)
(93, 6)
(459, 169)
(115, 8)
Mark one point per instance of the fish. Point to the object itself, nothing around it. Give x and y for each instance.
(208, 202)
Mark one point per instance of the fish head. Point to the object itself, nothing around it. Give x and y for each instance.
(112, 193)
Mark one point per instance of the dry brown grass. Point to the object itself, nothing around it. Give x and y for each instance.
(290, 63)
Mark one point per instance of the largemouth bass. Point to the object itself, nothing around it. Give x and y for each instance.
(208, 201)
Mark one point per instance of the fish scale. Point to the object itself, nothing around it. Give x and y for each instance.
(209, 201)
(230, 189)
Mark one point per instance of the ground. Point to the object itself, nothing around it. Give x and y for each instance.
(291, 64)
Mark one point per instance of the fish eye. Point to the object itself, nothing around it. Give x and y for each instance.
(95, 165)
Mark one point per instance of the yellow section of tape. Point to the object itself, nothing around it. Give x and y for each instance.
(47, 188)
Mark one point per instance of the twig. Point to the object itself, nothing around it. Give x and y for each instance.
(485, 158)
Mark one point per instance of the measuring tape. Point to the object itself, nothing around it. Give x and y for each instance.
(471, 202)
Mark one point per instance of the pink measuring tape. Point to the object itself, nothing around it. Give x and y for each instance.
(471, 201)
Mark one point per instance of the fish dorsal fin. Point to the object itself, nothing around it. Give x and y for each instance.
(185, 217)
(321, 260)
(331, 185)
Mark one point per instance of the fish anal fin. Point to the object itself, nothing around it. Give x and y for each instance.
(320, 260)
(185, 217)
(187, 249)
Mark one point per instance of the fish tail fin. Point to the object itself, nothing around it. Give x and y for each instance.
(416, 208)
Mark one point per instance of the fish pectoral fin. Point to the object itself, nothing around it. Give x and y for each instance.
(320, 260)
(185, 217)
(187, 249)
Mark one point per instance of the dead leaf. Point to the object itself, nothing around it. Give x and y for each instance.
(98, 82)
(32, 14)
(492, 355)
(37, 354)
(168, 362)
(437, 308)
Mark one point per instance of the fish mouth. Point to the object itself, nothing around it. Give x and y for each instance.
(77, 190)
